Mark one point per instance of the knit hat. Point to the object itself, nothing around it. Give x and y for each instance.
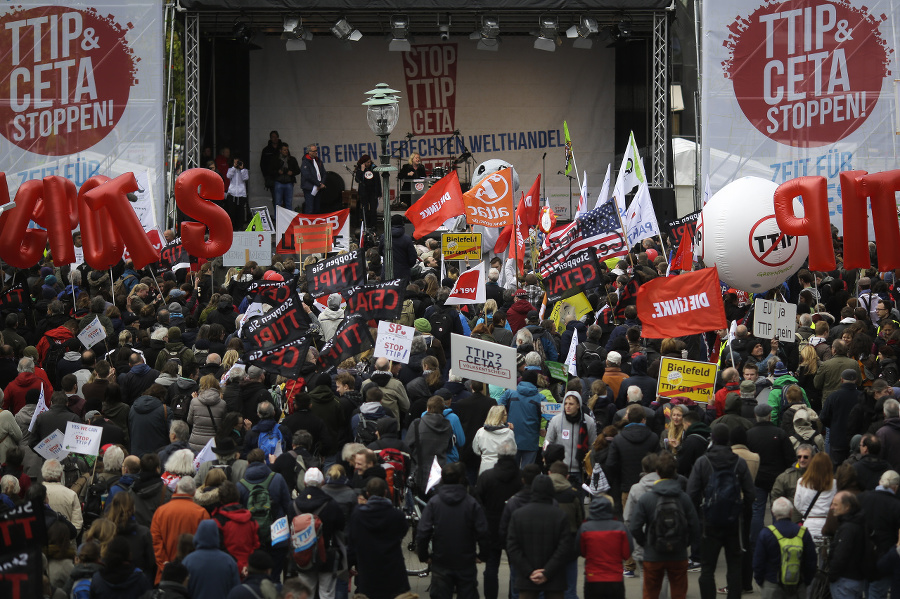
(719, 434)
(174, 334)
(313, 477)
(762, 409)
(175, 308)
(260, 560)
(422, 325)
(532, 315)
(519, 293)
(50, 280)
(334, 301)
(397, 220)
(46, 270)
(748, 389)
(780, 370)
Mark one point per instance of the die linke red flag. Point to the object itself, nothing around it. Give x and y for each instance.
(528, 213)
(683, 305)
(443, 201)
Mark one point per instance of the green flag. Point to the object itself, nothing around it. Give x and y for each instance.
(557, 371)
(255, 223)
(568, 149)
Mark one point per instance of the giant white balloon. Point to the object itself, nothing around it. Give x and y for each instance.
(737, 233)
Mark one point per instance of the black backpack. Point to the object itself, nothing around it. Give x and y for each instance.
(180, 405)
(722, 501)
(95, 499)
(51, 359)
(441, 324)
(365, 430)
(669, 530)
(590, 353)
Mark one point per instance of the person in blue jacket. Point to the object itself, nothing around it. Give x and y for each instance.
(213, 572)
(523, 407)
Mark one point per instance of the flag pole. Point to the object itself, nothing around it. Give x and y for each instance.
(624, 232)
(665, 251)
(515, 241)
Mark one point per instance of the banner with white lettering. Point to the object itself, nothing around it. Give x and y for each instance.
(21, 562)
(287, 322)
(285, 359)
(797, 88)
(578, 273)
(683, 305)
(483, 361)
(273, 293)
(446, 86)
(351, 338)
(83, 88)
(336, 273)
(82, 438)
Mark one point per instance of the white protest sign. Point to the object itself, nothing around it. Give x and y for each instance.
(483, 361)
(434, 475)
(82, 438)
(394, 341)
(206, 454)
(51, 448)
(549, 409)
(39, 409)
(92, 334)
(774, 319)
(247, 246)
(570, 358)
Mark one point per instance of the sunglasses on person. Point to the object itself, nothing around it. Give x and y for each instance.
(803, 457)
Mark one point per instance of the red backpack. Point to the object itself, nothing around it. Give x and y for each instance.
(394, 463)
(307, 541)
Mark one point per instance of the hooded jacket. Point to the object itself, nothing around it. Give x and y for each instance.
(147, 425)
(493, 488)
(428, 437)
(238, 531)
(279, 492)
(14, 394)
(639, 378)
(694, 445)
(394, 396)
(566, 339)
(57, 335)
(539, 538)
(149, 493)
(775, 450)
(847, 557)
(127, 582)
(566, 433)
(213, 573)
(452, 523)
(782, 383)
(627, 450)
(517, 314)
(205, 417)
(327, 407)
(523, 407)
(604, 543)
(720, 457)
(136, 381)
(645, 512)
(374, 536)
(329, 321)
(732, 417)
(315, 500)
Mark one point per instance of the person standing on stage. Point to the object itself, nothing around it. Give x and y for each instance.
(285, 169)
(369, 189)
(414, 169)
(312, 180)
(267, 160)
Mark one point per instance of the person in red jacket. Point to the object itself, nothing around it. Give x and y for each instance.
(732, 379)
(14, 394)
(237, 528)
(605, 544)
(56, 336)
(518, 312)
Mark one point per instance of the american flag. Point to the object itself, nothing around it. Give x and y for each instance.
(599, 228)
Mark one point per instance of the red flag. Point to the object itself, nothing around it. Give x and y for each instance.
(683, 255)
(441, 202)
(528, 213)
(683, 305)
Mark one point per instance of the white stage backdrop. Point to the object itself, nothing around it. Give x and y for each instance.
(81, 87)
(801, 87)
(508, 104)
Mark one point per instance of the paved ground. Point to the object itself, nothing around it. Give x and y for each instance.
(632, 586)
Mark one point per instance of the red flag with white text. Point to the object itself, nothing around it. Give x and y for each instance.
(443, 201)
(684, 305)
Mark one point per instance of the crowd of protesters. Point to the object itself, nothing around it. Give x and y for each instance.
(620, 481)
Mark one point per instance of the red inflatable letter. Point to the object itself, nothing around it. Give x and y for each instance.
(57, 211)
(881, 187)
(814, 223)
(111, 196)
(19, 247)
(193, 191)
(856, 235)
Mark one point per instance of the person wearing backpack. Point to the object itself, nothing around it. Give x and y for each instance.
(237, 529)
(721, 488)
(175, 350)
(267, 496)
(206, 413)
(665, 523)
(324, 511)
(604, 543)
(267, 434)
(364, 424)
(784, 561)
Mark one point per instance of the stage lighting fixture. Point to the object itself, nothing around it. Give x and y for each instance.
(444, 27)
(488, 35)
(548, 35)
(295, 35)
(242, 31)
(583, 32)
(344, 31)
(399, 34)
(624, 29)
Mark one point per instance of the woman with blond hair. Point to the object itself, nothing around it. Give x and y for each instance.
(206, 412)
(496, 431)
(207, 495)
(815, 490)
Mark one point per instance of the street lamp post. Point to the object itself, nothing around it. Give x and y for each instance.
(382, 114)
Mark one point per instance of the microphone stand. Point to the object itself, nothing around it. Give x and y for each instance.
(462, 141)
(544, 176)
(570, 178)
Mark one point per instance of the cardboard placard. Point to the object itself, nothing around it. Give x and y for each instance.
(483, 361)
(82, 438)
(773, 319)
(687, 378)
(51, 447)
(394, 341)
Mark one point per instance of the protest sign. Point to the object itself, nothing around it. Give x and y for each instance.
(273, 293)
(287, 322)
(51, 447)
(22, 534)
(461, 246)
(394, 341)
(685, 225)
(557, 371)
(469, 287)
(351, 338)
(336, 274)
(206, 454)
(262, 217)
(570, 358)
(15, 298)
(573, 276)
(773, 319)
(92, 334)
(82, 438)
(285, 359)
(247, 246)
(687, 378)
(279, 530)
(577, 305)
(483, 361)
(39, 409)
(378, 301)
(549, 409)
(22, 526)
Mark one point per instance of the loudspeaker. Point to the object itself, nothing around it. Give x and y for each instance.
(663, 204)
